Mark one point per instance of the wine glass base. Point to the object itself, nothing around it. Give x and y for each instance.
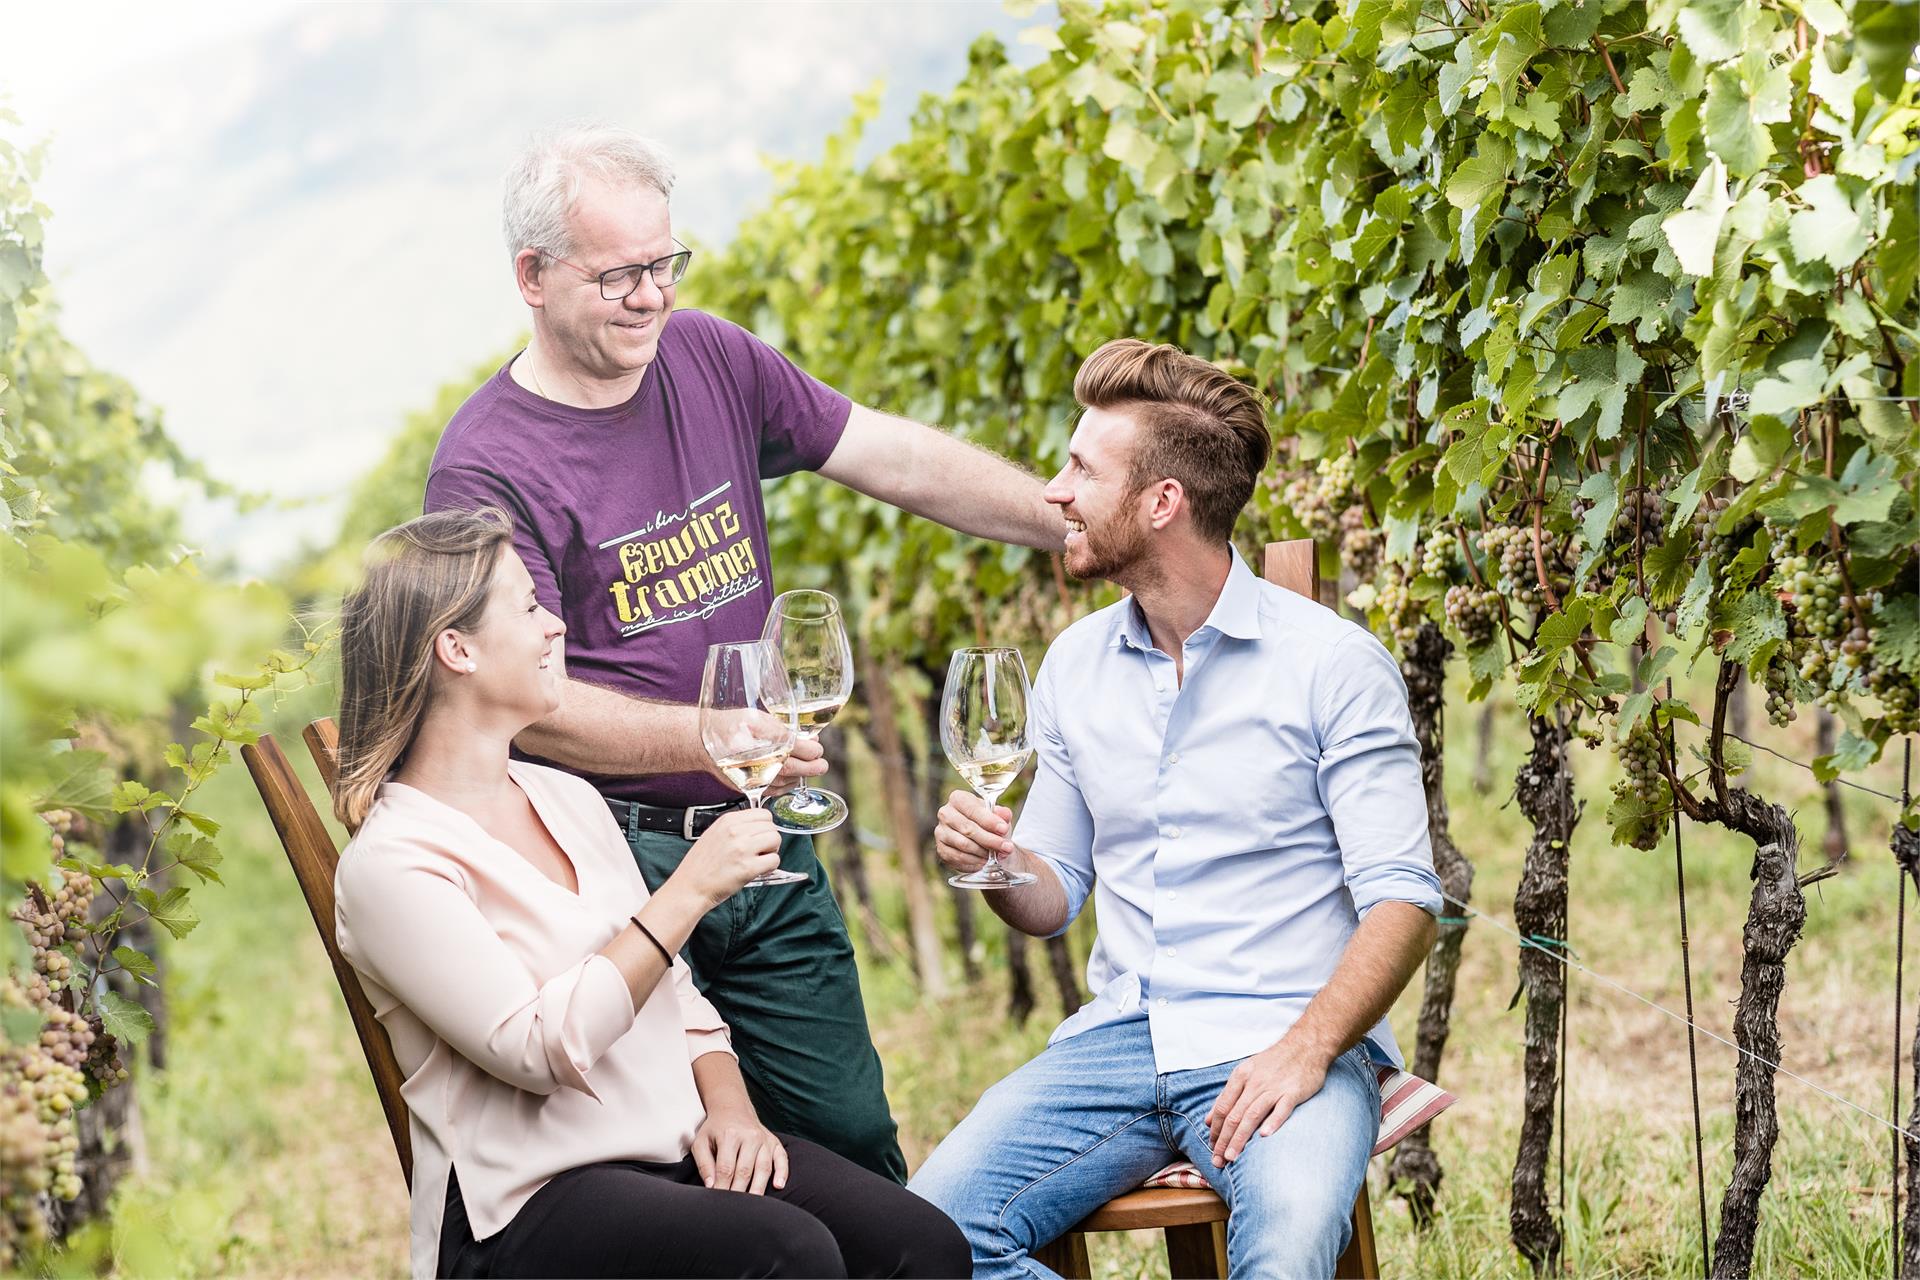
(776, 877)
(807, 811)
(991, 878)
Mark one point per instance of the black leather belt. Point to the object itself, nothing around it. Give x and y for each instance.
(689, 823)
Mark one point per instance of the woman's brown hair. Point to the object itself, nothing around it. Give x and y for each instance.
(423, 577)
(1198, 424)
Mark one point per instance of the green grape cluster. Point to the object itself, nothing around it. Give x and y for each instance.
(1645, 785)
(1713, 546)
(43, 1081)
(1509, 553)
(1336, 473)
(41, 1087)
(1636, 527)
(1302, 494)
(1897, 691)
(1360, 543)
(1777, 680)
(48, 921)
(1474, 612)
(1440, 553)
(1400, 613)
(1833, 638)
(1639, 517)
(1816, 595)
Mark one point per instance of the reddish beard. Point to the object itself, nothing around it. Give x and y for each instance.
(1108, 549)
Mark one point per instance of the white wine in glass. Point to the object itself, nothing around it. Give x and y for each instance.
(747, 724)
(811, 636)
(983, 726)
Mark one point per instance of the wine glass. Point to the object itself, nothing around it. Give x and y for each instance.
(983, 726)
(807, 629)
(747, 723)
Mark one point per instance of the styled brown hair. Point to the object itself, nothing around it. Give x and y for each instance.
(1197, 424)
(422, 578)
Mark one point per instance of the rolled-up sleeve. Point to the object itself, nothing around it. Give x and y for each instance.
(1055, 823)
(706, 1029)
(1369, 778)
(413, 930)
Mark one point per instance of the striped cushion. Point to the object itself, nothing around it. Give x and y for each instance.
(1406, 1103)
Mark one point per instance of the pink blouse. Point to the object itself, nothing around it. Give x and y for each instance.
(523, 1053)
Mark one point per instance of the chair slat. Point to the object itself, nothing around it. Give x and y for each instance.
(310, 850)
(323, 744)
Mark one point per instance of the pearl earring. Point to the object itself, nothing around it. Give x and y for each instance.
(472, 667)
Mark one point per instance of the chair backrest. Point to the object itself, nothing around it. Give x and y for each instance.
(1293, 564)
(311, 851)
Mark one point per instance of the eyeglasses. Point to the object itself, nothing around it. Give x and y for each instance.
(617, 283)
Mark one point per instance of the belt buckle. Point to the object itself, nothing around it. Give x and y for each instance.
(686, 822)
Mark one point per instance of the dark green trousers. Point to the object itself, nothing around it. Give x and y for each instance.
(778, 965)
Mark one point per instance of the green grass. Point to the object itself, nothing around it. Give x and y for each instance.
(266, 1152)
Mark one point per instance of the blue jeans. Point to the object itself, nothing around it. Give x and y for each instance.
(1090, 1118)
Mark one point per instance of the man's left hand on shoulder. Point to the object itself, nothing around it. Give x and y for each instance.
(1260, 1094)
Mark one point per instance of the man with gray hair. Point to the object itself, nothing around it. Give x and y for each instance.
(630, 452)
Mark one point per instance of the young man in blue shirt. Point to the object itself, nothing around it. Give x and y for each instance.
(1230, 770)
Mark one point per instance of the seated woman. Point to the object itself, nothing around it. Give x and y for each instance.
(576, 1107)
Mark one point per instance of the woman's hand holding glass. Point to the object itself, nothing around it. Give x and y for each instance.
(734, 851)
(747, 723)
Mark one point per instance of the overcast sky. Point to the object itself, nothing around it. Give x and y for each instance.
(280, 221)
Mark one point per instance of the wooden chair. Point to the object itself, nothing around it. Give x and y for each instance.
(311, 851)
(1195, 1220)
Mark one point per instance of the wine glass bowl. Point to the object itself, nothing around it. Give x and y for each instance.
(983, 727)
(808, 630)
(747, 723)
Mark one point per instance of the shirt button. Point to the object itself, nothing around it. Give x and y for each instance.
(1171, 951)
(1174, 758)
(1161, 1001)
(1173, 833)
(1173, 893)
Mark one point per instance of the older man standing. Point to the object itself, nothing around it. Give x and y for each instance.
(629, 442)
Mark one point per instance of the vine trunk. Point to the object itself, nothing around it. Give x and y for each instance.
(1906, 855)
(1544, 785)
(1775, 914)
(1415, 1168)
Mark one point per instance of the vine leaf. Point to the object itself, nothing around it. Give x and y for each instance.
(1483, 175)
(1694, 232)
(1850, 754)
(1828, 228)
(136, 963)
(1716, 30)
(174, 913)
(83, 783)
(1603, 378)
(124, 1019)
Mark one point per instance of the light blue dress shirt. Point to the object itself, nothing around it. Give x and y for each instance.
(1232, 828)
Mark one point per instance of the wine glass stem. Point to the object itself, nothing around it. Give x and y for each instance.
(992, 868)
(753, 797)
(803, 793)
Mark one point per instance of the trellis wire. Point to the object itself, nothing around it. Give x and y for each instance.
(1546, 946)
(1686, 972)
(1899, 979)
(1778, 755)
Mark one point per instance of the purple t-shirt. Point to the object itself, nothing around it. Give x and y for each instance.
(642, 524)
